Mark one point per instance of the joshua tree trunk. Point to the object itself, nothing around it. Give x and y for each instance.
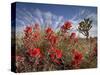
(87, 35)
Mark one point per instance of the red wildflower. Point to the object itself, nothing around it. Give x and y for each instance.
(34, 52)
(67, 25)
(48, 30)
(54, 59)
(53, 39)
(77, 57)
(59, 54)
(55, 55)
(73, 35)
(28, 29)
(52, 56)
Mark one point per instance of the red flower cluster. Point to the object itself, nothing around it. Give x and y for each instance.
(55, 55)
(37, 55)
(28, 30)
(59, 54)
(77, 57)
(34, 52)
(67, 25)
(48, 30)
(32, 34)
(51, 37)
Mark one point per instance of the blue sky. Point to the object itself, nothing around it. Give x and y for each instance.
(54, 15)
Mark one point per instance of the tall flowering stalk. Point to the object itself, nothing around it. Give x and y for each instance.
(51, 36)
(31, 36)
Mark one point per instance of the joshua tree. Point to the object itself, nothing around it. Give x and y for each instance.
(84, 27)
